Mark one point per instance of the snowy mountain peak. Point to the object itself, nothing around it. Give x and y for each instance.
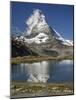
(37, 19)
(38, 31)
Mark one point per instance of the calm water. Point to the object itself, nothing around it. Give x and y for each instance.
(45, 71)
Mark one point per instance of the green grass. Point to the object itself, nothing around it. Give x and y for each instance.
(31, 59)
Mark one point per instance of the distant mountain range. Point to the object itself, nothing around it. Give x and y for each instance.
(40, 39)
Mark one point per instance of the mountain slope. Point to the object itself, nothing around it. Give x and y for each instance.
(21, 49)
(41, 39)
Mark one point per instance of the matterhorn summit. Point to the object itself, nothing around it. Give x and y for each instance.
(37, 23)
(38, 31)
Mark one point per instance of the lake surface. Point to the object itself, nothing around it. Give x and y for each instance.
(44, 71)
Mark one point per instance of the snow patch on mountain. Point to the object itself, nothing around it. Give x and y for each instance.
(68, 42)
(40, 38)
(57, 35)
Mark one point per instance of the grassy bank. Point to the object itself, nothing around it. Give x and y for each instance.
(31, 59)
(25, 89)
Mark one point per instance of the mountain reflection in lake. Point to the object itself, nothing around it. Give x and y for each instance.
(45, 71)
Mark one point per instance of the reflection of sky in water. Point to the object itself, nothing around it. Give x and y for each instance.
(63, 71)
(45, 71)
(67, 62)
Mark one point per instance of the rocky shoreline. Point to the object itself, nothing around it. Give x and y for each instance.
(25, 89)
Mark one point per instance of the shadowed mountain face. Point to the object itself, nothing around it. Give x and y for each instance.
(21, 49)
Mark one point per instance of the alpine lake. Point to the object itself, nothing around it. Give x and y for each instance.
(43, 78)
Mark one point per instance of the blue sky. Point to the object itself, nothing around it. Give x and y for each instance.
(59, 17)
